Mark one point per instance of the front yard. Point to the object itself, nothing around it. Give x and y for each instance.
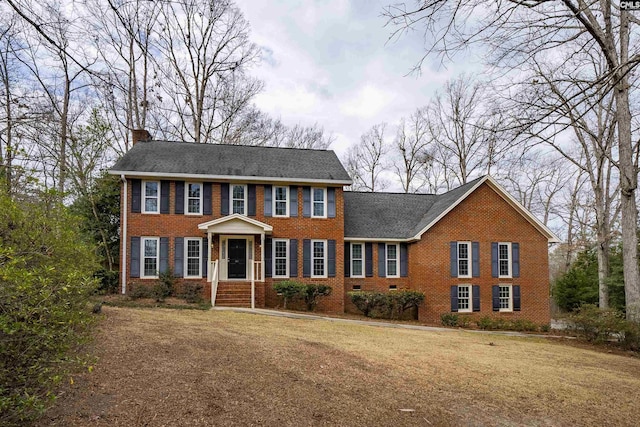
(184, 367)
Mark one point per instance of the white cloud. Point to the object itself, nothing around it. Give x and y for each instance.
(368, 102)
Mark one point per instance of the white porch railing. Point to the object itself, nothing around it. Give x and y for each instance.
(213, 278)
(256, 274)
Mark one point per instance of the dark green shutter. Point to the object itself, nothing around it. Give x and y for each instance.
(293, 258)
(136, 195)
(179, 205)
(268, 201)
(178, 257)
(293, 202)
(135, 257)
(382, 260)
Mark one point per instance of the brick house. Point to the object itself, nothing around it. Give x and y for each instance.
(236, 219)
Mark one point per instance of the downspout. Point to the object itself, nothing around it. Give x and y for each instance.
(123, 234)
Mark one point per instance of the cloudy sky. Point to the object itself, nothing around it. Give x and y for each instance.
(330, 62)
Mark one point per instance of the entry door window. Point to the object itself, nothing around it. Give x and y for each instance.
(237, 265)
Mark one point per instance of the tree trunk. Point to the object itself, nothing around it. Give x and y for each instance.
(628, 181)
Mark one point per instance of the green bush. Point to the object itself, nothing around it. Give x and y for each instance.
(139, 291)
(400, 301)
(289, 290)
(388, 305)
(108, 281)
(192, 293)
(595, 325)
(367, 301)
(165, 286)
(312, 293)
(46, 278)
(449, 319)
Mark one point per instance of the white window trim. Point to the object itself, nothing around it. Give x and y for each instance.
(185, 259)
(142, 257)
(361, 259)
(469, 255)
(246, 197)
(287, 192)
(313, 258)
(144, 197)
(509, 261)
(470, 308)
(510, 309)
(273, 256)
(397, 260)
(325, 203)
(186, 198)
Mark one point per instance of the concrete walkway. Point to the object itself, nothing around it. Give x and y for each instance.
(376, 323)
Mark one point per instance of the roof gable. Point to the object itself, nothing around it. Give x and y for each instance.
(406, 217)
(231, 162)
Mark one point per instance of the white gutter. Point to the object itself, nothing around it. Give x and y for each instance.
(123, 234)
(230, 178)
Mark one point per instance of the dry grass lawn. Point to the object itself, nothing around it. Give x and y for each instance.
(190, 368)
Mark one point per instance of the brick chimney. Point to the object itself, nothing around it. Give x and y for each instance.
(140, 135)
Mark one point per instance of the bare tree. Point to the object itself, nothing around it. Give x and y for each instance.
(514, 32)
(365, 161)
(464, 128)
(207, 48)
(411, 145)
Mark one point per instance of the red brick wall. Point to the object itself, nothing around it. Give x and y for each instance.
(483, 217)
(172, 225)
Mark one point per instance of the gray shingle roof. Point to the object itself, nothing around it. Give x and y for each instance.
(218, 160)
(394, 215)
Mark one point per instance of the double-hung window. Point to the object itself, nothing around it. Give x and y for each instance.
(281, 258)
(193, 257)
(357, 265)
(194, 198)
(319, 202)
(151, 196)
(238, 199)
(392, 260)
(464, 298)
(464, 259)
(506, 298)
(150, 256)
(318, 258)
(281, 201)
(504, 259)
